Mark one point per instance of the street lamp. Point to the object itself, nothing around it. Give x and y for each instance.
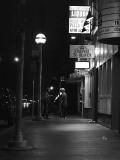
(16, 59)
(17, 142)
(40, 40)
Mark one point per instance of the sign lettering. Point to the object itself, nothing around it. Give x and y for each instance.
(82, 51)
(77, 17)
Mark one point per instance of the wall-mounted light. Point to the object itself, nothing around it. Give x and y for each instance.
(73, 37)
(51, 88)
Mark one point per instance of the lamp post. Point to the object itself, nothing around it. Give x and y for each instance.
(40, 40)
(17, 142)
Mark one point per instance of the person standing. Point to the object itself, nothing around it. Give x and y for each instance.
(63, 102)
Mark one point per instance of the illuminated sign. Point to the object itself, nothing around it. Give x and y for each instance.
(82, 51)
(77, 17)
(82, 65)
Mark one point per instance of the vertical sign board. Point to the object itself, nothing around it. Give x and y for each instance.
(87, 92)
(109, 19)
(77, 17)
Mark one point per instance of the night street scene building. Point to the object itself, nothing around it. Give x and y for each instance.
(49, 45)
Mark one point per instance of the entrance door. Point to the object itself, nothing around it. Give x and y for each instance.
(72, 99)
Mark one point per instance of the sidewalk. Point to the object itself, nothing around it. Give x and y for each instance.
(72, 139)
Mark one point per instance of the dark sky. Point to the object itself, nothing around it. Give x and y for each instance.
(51, 18)
(47, 16)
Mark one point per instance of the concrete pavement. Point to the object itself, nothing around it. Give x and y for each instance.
(72, 139)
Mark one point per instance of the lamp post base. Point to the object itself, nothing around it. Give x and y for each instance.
(17, 143)
(18, 146)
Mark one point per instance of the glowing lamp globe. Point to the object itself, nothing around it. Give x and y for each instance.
(40, 38)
